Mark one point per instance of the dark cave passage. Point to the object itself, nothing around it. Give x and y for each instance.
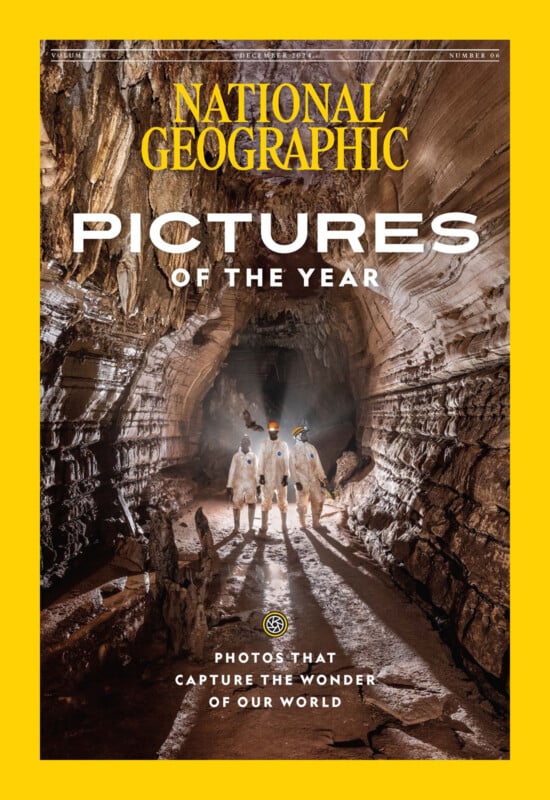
(145, 388)
(134, 445)
(179, 587)
(276, 372)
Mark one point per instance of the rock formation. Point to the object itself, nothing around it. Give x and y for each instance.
(411, 375)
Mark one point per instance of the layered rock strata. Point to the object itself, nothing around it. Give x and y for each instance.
(128, 359)
(434, 509)
(133, 617)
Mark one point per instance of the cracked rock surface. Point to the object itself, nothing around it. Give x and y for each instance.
(338, 602)
(409, 378)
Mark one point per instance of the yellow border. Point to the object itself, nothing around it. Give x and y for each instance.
(20, 136)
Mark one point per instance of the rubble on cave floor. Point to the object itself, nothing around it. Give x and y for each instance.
(347, 621)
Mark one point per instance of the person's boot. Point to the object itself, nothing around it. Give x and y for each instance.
(302, 515)
(237, 519)
(283, 522)
(251, 511)
(263, 529)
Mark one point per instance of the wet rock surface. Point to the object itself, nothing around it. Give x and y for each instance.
(338, 602)
(89, 633)
(410, 376)
(434, 509)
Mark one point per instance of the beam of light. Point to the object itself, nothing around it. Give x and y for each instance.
(183, 724)
(275, 594)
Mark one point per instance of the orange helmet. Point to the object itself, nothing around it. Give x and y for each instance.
(272, 426)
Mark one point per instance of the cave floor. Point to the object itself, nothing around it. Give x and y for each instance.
(344, 615)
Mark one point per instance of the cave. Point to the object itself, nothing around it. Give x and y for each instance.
(290, 364)
(147, 389)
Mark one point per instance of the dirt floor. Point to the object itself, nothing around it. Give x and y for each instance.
(359, 674)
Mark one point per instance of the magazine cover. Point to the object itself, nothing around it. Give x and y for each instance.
(274, 400)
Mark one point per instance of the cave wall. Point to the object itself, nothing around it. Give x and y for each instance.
(118, 363)
(434, 510)
(124, 373)
(118, 404)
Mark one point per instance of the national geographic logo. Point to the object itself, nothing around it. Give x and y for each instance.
(275, 624)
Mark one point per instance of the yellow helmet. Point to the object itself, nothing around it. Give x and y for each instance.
(298, 429)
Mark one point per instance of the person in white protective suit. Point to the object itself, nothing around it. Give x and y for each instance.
(242, 484)
(273, 469)
(308, 475)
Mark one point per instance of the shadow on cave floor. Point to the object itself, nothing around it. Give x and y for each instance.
(347, 621)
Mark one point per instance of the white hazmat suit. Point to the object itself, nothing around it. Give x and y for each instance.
(307, 470)
(273, 465)
(243, 478)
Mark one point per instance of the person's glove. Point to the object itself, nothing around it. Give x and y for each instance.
(299, 486)
(262, 480)
(229, 494)
(285, 480)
